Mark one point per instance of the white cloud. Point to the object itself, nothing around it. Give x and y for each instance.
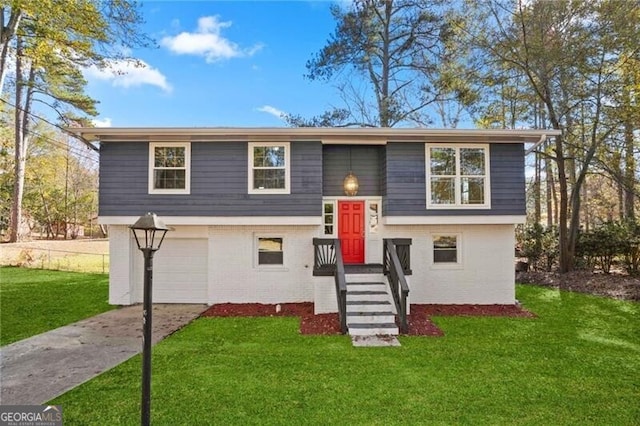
(272, 110)
(106, 122)
(208, 42)
(129, 73)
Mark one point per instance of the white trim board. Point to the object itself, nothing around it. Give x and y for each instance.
(219, 220)
(454, 220)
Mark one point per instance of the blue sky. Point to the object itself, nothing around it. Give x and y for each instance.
(219, 63)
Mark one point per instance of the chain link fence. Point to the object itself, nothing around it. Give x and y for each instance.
(53, 258)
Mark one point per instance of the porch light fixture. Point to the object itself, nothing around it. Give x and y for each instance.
(350, 182)
(149, 232)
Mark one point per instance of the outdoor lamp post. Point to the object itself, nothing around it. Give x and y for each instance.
(149, 232)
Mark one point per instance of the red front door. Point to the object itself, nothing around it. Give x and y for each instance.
(351, 230)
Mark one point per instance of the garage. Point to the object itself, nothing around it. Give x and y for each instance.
(179, 271)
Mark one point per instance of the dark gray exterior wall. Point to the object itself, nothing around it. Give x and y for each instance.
(219, 175)
(406, 185)
(366, 164)
(218, 182)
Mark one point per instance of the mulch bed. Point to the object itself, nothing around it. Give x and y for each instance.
(420, 323)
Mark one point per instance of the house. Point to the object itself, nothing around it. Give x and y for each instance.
(247, 205)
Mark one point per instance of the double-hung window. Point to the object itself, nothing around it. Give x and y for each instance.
(169, 168)
(270, 251)
(457, 176)
(445, 249)
(269, 168)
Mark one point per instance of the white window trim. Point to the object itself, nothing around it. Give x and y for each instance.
(256, 247)
(187, 165)
(458, 196)
(447, 265)
(287, 169)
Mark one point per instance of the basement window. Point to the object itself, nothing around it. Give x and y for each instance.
(270, 251)
(446, 249)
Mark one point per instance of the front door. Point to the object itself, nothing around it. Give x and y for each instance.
(351, 230)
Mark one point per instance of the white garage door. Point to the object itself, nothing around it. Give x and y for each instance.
(180, 271)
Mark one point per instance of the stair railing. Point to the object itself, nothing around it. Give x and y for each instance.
(341, 288)
(328, 261)
(394, 270)
(403, 249)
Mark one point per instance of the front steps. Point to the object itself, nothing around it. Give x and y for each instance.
(370, 311)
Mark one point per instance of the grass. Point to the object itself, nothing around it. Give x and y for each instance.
(33, 301)
(59, 260)
(577, 363)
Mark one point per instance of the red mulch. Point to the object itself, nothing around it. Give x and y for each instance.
(472, 310)
(420, 323)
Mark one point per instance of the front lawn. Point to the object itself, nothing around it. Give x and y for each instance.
(577, 363)
(33, 301)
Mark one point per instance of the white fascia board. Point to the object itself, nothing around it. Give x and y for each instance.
(326, 135)
(454, 220)
(219, 220)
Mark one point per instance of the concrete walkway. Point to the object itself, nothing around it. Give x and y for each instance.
(42, 367)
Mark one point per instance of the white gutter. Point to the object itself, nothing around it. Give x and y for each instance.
(543, 138)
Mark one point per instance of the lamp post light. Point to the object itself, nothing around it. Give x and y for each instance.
(149, 232)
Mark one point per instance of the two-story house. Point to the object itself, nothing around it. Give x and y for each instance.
(247, 204)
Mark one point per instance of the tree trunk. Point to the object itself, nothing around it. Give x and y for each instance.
(6, 34)
(550, 192)
(385, 116)
(585, 197)
(629, 172)
(537, 211)
(565, 254)
(23, 102)
(20, 154)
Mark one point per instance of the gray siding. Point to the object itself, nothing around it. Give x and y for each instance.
(366, 164)
(218, 183)
(406, 186)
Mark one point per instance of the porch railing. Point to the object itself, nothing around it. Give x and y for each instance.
(403, 249)
(328, 261)
(324, 263)
(394, 270)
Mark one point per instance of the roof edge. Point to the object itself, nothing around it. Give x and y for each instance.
(306, 133)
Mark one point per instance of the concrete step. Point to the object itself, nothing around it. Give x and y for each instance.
(371, 317)
(369, 295)
(359, 278)
(368, 306)
(366, 329)
(366, 286)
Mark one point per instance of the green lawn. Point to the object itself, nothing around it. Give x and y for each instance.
(577, 363)
(33, 301)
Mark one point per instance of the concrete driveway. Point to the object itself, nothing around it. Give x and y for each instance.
(42, 367)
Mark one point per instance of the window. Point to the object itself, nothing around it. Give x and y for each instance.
(328, 217)
(457, 176)
(445, 249)
(269, 168)
(169, 168)
(373, 217)
(270, 251)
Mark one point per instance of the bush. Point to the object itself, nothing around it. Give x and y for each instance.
(539, 245)
(609, 242)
